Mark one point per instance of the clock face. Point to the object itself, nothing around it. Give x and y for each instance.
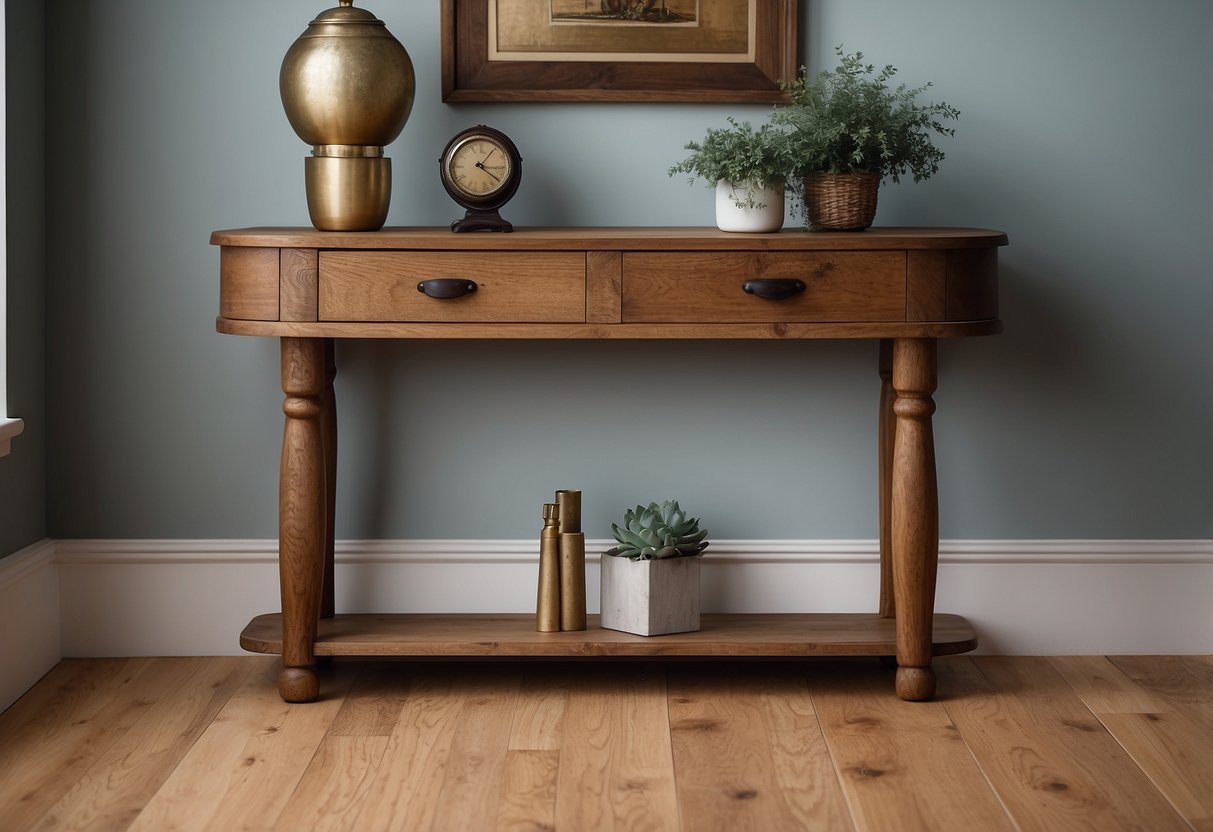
(479, 166)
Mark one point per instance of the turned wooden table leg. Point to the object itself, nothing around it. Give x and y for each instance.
(914, 514)
(328, 431)
(301, 512)
(887, 427)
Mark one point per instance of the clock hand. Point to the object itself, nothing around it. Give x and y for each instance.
(486, 170)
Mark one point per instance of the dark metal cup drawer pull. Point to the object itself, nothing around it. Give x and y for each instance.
(446, 288)
(774, 288)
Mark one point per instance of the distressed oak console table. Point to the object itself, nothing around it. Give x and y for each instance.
(905, 288)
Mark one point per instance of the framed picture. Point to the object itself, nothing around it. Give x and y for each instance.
(617, 50)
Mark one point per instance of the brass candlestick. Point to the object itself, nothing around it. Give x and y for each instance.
(547, 607)
(572, 561)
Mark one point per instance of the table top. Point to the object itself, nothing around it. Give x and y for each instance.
(615, 239)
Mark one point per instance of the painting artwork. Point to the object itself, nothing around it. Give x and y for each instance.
(621, 30)
(617, 50)
(634, 12)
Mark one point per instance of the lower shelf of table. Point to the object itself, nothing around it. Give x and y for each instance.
(760, 635)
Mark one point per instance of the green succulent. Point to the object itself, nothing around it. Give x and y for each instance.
(658, 531)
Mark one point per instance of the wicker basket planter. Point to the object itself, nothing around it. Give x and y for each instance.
(840, 201)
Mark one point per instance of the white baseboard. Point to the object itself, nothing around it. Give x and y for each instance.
(175, 597)
(29, 619)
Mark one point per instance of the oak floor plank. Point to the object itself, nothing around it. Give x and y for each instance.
(528, 791)
(471, 786)
(1176, 752)
(331, 792)
(1051, 761)
(131, 770)
(404, 789)
(728, 728)
(802, 759)
(47, 706)
(1105, 689)
(903, 765)
(616, 768)
(1172, 745)
(1054, 743)
(98, 709)
(1186, 680)
(245, 766)
(541, 702)
(372, 707)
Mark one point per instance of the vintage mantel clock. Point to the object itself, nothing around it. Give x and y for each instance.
(481, 169)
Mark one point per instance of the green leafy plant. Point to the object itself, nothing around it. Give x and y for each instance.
(657, 531)
(852, 120)
(739, 154)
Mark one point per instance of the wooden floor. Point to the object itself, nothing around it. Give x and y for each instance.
(1011, 743)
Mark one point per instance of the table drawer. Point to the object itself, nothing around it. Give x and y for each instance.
(511, 287)
(702, 287)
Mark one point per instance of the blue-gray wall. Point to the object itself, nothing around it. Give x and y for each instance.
(23, 472)
(1085, 135)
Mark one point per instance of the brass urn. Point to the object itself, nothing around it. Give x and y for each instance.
(347, 87)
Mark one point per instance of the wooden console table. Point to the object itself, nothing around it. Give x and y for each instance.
(905, 288)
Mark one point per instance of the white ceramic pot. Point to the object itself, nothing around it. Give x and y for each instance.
(740, 207)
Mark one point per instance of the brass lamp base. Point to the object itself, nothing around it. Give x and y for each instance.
(348, 193)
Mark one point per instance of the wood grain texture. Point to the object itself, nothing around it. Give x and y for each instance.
(1050, 759)
(886, 431)
(205, 743)
(298, 284)
(614, 238)
(528, 791)
(256, 742)
(1105, 689)
(471, 791)
(511, 286)
(926, 285)
(248, 283)
(301, 513)
(607, 332)
(902, 765)
(603, 279)
(403, 793)
(89, 714)
(542, 698)
(724, 635)
(182, 698)
(749, 753)
(914, 514)
(689, 286)
(615, 760)
(1173, 744)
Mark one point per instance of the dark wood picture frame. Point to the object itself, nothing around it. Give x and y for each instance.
(468, 74)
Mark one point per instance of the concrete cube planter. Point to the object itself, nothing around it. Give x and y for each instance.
(650, 597)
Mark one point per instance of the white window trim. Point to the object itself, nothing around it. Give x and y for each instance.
(9, 427)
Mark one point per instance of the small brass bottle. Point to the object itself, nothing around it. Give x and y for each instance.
(547, 608)
(572, 561)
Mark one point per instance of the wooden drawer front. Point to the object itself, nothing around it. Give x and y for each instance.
(699, 287)
(512, 287)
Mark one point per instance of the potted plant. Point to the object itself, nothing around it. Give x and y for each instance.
(849, 129)
(650, 581)
(748, 168)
